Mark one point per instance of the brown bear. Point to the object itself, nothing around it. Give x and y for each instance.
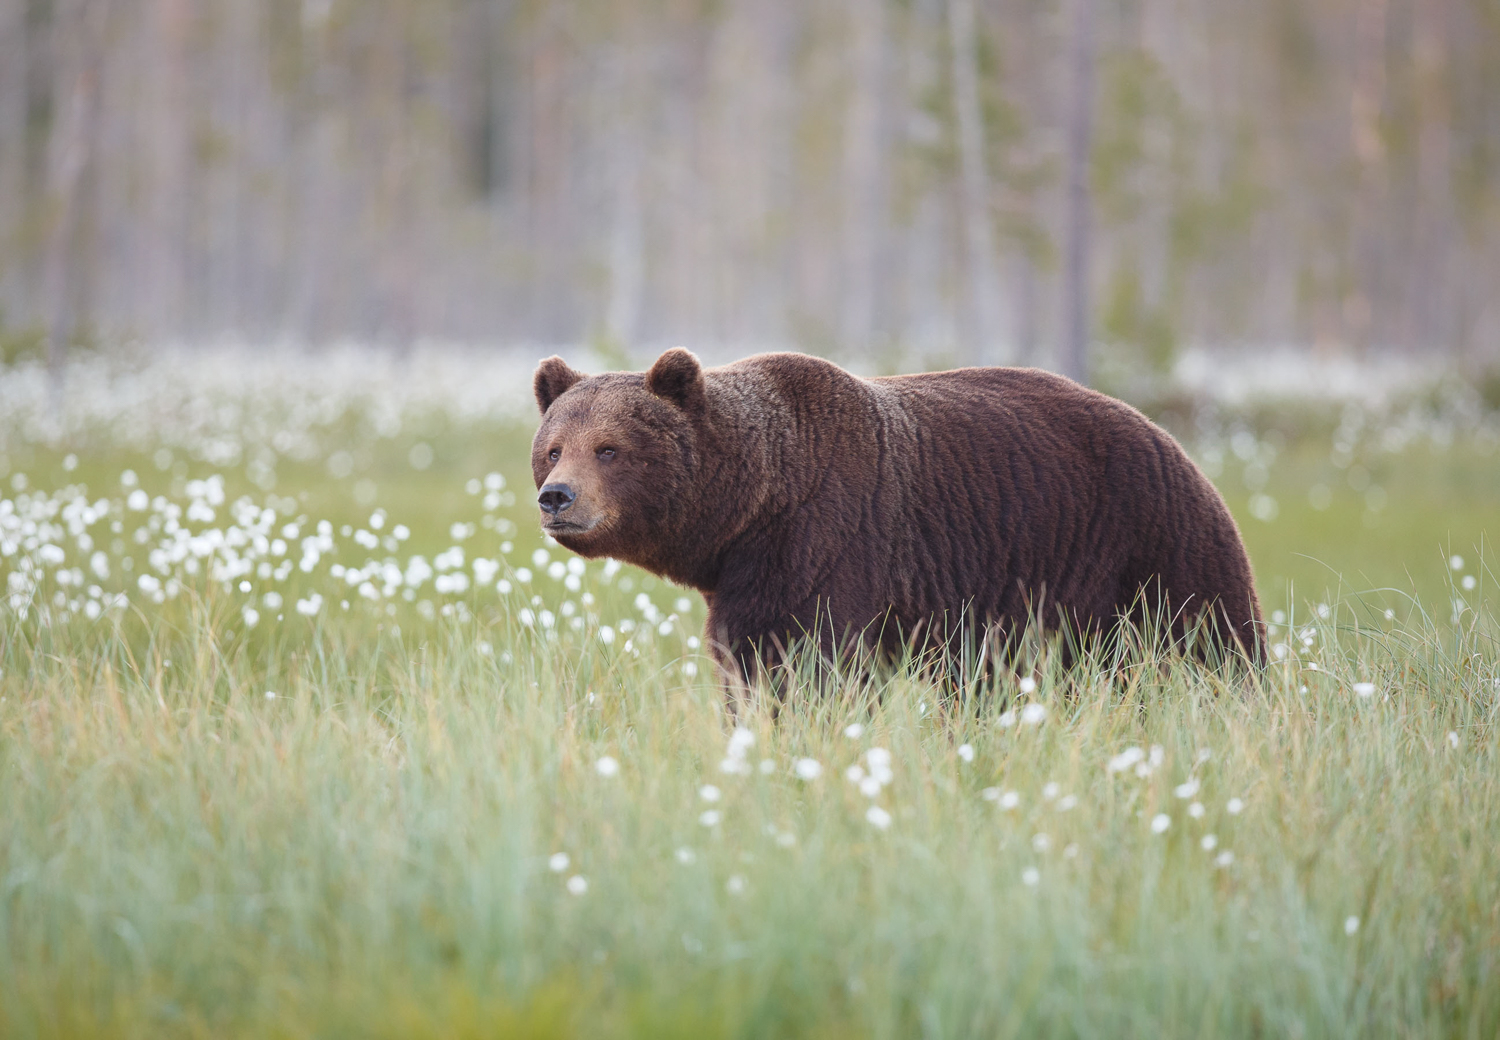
(801, 500)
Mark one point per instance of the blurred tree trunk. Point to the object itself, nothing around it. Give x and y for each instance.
(162, 269)
(1365, 102)
(974, 183)
(625, 249)
(864, 175)
(78, 54)
(1073, 348)
(1435, 246)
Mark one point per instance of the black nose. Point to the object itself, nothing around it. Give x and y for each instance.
(555, 498)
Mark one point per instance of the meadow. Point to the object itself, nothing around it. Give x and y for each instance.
(305, 731)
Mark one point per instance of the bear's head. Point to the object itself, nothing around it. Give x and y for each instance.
(615, 458)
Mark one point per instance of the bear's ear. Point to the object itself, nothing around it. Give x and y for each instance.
(678, 378)
(552, 380)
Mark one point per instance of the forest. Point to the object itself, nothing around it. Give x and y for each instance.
(1058, 182)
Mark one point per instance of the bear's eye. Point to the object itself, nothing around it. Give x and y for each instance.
(606, 453)
(554, 454)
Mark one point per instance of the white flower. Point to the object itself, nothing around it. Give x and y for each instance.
(709, 793)
(1006, 720)
(270, 695)
(878, 757)
(607, 766)
(1031, 877)
(1456, 562)
(1027, 684)
(1351, 924)
(686, 856)
(786, 839)
(1196, 810)
(1224, 858)
(1364, 689)
(1157, 756)
(1033, 714)
(767, 766)
(1067, 802)
(1041, 842)
(990, 794)
(1050, 790)
(558, 862)
(1125, 759)
(878, 816)
(854, 731)
(578, 884)
(966, 752)
(710, 818)
(736, 884)
(1070, 851)
(854, 774)
(740, 742)
(1009, 800)
(1186, 790)
(1453, 739)
(1160, 822)
(870, 786)
(735, 767)
(1209, 842)
(1235, 806)
(807, 768)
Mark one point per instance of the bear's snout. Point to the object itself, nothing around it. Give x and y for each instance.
(554, 498)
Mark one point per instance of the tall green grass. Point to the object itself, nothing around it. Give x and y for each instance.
(367, 852)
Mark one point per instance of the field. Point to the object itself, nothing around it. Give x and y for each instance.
(304, 732)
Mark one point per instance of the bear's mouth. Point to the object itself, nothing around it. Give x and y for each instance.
(556, 527)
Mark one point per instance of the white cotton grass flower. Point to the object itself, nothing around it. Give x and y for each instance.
(1041, 842)
(966, 752)
(878, 817)
(1031, 877)
(270, 695)
(558, 862)
(990, 794)
(1067, 802)
(1196, 810)
(1364, 689)
(1160, 822)
(686, 856)
(710, 817)
(767, 766)
(1050, 790)
(1009, 800)
(736, 885)
(1224, 859)
(1125, 759)
(1235, 806)
(1209, 842)
(1456, 562)
(607, 766)
(854, 730)
(1006, 719)
(1070, 851)
(1351, 924)
(710, 793)
(1186, 790)
(1453, 739)
(1027, 684)
(807, 768)
(1033, 714)
(578, 884)
(855, 773)
(870, 786)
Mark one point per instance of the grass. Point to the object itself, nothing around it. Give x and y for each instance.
(370, 851)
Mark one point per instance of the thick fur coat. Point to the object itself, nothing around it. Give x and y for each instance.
(803, 500)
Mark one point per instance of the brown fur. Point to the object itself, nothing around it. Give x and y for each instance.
(801, 499)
